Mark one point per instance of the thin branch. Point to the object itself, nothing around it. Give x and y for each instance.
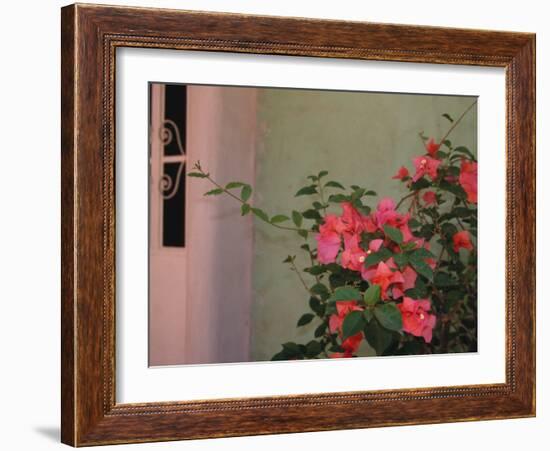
(295, 269)
(404, 198)
(238, 199)
(456, 123)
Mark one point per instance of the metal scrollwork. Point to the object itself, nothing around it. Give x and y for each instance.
(169, 186)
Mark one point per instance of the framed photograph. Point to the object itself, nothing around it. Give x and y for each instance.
(278, 225)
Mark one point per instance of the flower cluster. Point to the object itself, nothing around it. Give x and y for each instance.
(360, 243)
(400, 277)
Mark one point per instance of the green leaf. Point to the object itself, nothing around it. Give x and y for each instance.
(420, 184)
(260, 214)
(246, 191)
(377, 257)
(389, 316)
(421, 253)
(364, 209)
(449, 118)
(457, 190)
(319, 288)
(289, 259)
(422, 268)
(354, 322)
(279, 218)
(453, 170)
(312, 214)
(401, 260)
(214, 192)
(232, 185)
(452, 297)
(292, 349)
(333, 184)
(245, 209)
(320, 331)
(199, 175)
(280, 356)
(316, 305)
(367, 314)
(449, 229)
(297, 218)
(322, 174)
(443, 280)
(462, 212)
(316, 270)
(408, 246)
(306, 318)
(345, 294)
(378, 337)
(466, 151)
(318, 205)
(313, 348)
(358, 193)
(306, 190)
(303, 233)
(372, 295)
(338, 198)
(394, 234)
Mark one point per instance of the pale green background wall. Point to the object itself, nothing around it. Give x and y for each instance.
(360, 138)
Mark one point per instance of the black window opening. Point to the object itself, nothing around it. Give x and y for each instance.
(173, 166)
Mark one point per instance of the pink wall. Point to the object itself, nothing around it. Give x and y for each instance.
(201, 307)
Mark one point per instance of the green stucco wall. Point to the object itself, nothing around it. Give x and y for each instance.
(360, 138)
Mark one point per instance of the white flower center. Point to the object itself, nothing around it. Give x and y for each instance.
(422, 316)
(361, 259)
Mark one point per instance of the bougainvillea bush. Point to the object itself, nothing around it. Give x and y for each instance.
(400, 275)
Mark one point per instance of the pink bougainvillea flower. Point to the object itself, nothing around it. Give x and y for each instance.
(385, 212)
(401, 173)
(432, 147)
(462, 240)
(328, 240)
(369, 223)
(351, 220)
(384, 277)
(416, 318)
(351, 344)
(375, 245)
(401, 222)
(353, 256)
(468, 179)
(368, 272)
(425, 166)
(429, 197)
(409, 282)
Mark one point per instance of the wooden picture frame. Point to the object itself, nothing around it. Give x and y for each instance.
(90, 36)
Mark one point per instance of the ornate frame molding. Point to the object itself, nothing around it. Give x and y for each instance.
(90, 36)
